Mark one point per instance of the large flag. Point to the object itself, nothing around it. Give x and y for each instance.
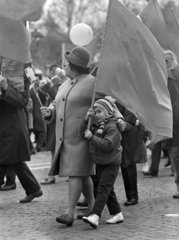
(25, 10)
(92, 47)
(14, 37)
(153, 19)
(14, 40)
(132, 69)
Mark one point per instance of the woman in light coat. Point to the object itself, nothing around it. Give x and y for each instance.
(72, 157)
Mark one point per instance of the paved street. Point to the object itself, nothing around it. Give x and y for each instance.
(36, 220)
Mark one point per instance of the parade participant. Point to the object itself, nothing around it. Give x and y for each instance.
(72, 157)
(14, 139)
(38, 123)
(105, 149)
(50, 88)
(132, 154)
(173, 87)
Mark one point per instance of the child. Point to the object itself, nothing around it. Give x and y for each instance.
(105, 150)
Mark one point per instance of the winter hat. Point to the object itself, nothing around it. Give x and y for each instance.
(105, 105)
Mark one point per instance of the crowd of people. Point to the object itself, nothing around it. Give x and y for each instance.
(105, 137)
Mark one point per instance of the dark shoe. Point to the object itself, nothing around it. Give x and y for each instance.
(32, 151)
(30, 197)
(131, 202)
(6, 187)
(150, 173)
(82, 204)
(47, 181)
(65, 219)
(176, 195)
(85, 213)
(167, 163)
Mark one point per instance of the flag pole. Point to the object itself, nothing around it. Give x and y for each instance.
(176, 20)
(98, 65)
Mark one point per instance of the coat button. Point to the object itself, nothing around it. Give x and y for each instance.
(61, 119)
(72, 83)
(63, 99)
(60, 139)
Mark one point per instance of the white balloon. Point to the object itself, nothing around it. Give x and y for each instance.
(81, 34)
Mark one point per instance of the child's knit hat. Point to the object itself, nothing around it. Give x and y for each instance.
(105, 105)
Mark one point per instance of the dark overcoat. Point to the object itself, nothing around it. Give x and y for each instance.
(173, 87)
(14, 139)
(38, 123)
(131, 141)
(50, 128)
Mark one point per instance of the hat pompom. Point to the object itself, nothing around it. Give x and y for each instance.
(111, 100)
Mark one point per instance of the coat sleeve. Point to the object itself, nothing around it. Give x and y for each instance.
(15, 98)
(110, 140)
(53, 111)
(52, 92)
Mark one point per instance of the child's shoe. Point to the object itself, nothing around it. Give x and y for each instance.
(118, 218)
(93, 220)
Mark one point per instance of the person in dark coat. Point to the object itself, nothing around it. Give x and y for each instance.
(173, 87)
(132, 154)
(14, 139)
(38, 98)
(50, 88)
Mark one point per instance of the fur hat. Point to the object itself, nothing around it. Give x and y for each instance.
(105, 105)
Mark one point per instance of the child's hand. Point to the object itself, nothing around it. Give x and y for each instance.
(89, 113)
(88, 134)
(121, 124)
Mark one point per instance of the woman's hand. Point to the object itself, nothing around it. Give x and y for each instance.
(46, 112)
(90, 112)
(3, 82)
(88, 134)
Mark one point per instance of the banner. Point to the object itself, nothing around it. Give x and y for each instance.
(132, 69)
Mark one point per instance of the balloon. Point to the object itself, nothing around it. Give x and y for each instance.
(81, 34)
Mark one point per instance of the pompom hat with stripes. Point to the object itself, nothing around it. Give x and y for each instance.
(105, 105)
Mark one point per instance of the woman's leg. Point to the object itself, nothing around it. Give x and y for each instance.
(88, 191)
(74, 192)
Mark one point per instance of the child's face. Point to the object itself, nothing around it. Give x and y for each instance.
(99, 114)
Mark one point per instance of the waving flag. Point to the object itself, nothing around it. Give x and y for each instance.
(24, 10)
(14, 37)
(153, 19)
(132, 69)
(93, 46)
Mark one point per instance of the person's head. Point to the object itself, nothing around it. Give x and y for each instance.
(77, 62)
(170, 59)
(103, 110)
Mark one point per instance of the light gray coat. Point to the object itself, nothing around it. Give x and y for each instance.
(71, 104)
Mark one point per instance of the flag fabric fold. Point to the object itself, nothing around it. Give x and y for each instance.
(14, 40)
(92, 47)
(132, 69)
(153, 19)
(14, 37)
(24, 10)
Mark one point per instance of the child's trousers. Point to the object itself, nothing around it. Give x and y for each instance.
(107, 175)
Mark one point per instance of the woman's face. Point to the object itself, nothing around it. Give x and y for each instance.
(99, 114)
(68, 71)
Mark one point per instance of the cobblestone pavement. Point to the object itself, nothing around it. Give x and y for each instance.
(36, 220)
